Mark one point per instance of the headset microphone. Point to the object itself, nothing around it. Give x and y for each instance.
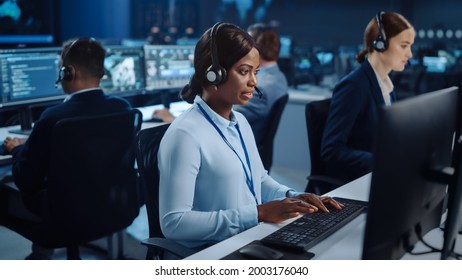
(260, 94)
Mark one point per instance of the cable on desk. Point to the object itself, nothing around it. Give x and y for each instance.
(409, 248)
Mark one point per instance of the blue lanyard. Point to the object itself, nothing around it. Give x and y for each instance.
(248, 177)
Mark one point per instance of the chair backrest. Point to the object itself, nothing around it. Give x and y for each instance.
(265, 149)
(316, 113)
(147, 146)
(92, 190)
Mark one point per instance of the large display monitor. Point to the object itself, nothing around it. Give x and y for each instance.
(435, 64)
(168, 66)
(409, 179)
(286, 46)
(453, 223)
(28, 22)
(27, 78)
(124, 70)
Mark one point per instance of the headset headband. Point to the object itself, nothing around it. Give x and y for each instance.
(378, 18)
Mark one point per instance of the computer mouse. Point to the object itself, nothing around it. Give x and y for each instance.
(260, 252)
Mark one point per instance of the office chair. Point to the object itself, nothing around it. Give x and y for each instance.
(92, 186)
(147, 146)
(316, 113)
(265, 149)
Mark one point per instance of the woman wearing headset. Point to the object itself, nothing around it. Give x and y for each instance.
(348, 136)
(212, 181)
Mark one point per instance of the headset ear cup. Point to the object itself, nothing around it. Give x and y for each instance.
(212, 75)
(215, 75)
(380, 45)
(66, 73)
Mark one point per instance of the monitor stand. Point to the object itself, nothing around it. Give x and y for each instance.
(25, 121)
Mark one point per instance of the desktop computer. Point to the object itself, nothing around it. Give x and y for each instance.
(411, 172)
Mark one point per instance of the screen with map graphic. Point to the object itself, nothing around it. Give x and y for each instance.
(27, 22)
(124, 70)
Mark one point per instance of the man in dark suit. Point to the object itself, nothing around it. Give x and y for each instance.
(82, 67)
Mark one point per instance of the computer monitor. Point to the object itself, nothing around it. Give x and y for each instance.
(28, 23)
(453, 223)
(408, 186)
(124, 70)
(27, 77)
(326, 61)
(286, 46)
(187, 41)
(435, 64)
(168, 66)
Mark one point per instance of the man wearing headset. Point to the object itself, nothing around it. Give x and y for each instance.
(82, 67)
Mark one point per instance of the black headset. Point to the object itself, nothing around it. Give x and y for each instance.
(66, 73)
(215, 74)
(380, 44)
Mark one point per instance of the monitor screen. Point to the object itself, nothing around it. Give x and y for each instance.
(325, 61)
(325, 58)
(27, 22)
(286, 47)
(168, 66)
(435, 64)
(124, 70)
(28, 76)
(187, 41)
(414, 147)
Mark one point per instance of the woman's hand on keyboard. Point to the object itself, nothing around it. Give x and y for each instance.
(320, 201)
(278, 211)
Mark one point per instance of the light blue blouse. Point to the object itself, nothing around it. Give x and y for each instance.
(204, 197)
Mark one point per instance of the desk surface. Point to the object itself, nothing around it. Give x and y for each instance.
(344, 244)
(350, 236)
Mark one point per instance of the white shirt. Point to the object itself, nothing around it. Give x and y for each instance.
(386, 85)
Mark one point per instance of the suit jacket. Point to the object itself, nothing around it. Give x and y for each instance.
(273, 84)
(348, 138)
(31, 160)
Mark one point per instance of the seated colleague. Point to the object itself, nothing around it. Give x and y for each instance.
(212, 182)
(82, 63)
(271, 81)
(349, 133)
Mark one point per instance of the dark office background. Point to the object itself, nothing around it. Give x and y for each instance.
(313, 26)
(313, 22)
